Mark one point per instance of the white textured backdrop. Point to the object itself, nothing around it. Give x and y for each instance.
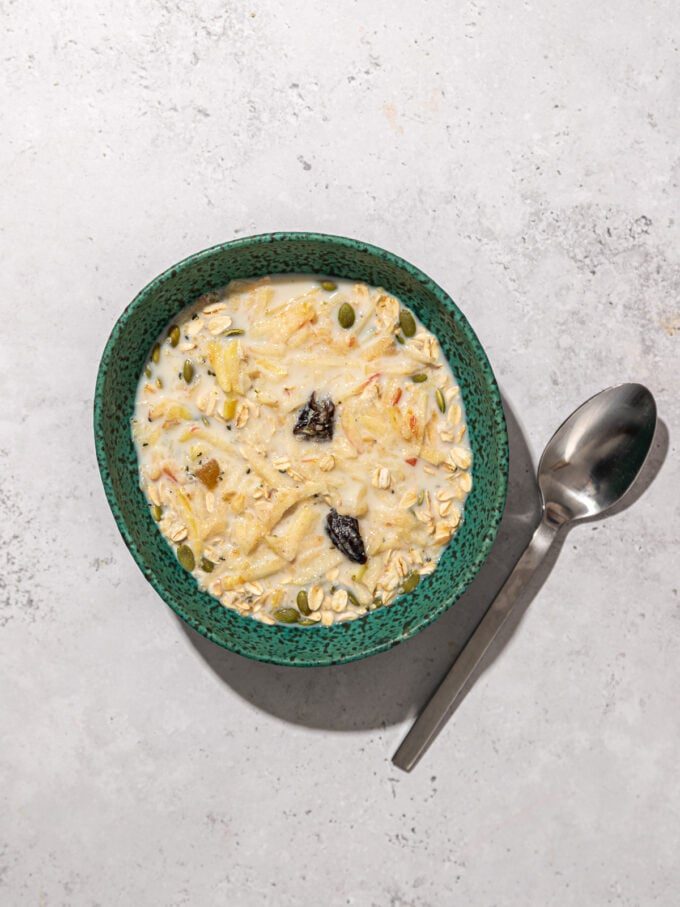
(526, 155)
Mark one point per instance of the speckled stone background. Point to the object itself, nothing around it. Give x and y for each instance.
(527, 157)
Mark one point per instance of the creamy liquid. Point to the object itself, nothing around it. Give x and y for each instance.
(396, 462)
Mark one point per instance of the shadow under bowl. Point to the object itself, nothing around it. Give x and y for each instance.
(124, 357)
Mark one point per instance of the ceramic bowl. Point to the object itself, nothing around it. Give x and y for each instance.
(124, 357)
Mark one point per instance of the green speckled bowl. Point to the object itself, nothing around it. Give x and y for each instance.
(124, 357)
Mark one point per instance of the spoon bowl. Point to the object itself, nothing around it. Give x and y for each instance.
(596, 454)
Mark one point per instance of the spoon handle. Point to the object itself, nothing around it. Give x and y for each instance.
(448, 694)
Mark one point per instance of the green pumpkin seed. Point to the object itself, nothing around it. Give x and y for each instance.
(352, 597)
(407, 322)
(206, 565)
(147, 372)
(305, 622)
(441, 402)
(411, 582)
(188, 371)
(156, 512)
(418, 379)
(421, 497)
(233, 332)
(287, 615)
(303, 602)
(159, 382)
(173, 335)
(399, 339)
(205, 420)
(358, 575)
(156, 352)
(346, 315)
(329, 285)
(186, 557)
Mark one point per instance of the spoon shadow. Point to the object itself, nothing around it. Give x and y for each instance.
(385, 689)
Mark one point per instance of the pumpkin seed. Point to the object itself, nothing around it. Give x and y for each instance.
(147, 372)
(205, 420)
(173, 335)
(159, 382)
(305, 622)
(156, 352)
(206, 565)
(352, 597)
(233, 332)
(287, 615)
(156, 512)
(329, 285)
(186, 557)
(418, 379)
(421, 497)
(303, 602)
(188, 371)
(346, 315)
(441, 402)
(359, 574)
(407, 322)
(411, 582)
(399, 339)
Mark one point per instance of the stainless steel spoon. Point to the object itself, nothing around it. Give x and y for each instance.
(588, 465)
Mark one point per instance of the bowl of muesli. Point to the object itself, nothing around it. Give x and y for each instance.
(303, 444)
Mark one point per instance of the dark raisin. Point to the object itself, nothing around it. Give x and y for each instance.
(315, 419)
(344, 533)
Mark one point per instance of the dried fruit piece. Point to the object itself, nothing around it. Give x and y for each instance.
(209, 474)
(343, 531)
(315, 419)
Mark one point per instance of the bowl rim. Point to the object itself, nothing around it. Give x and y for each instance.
(497, 507)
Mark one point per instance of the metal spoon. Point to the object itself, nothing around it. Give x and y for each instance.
(588, 465)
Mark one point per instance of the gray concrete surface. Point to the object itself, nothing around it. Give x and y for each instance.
(526, 155)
